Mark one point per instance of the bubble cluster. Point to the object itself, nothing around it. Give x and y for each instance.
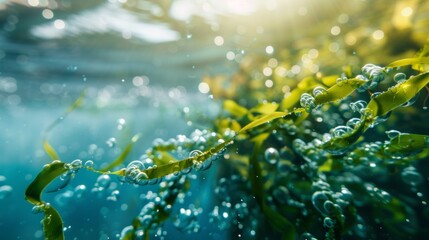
(134, 172)
(340, 131)
(187, 219)
(358, 106)
(159, 204)
(232, 210)
(307, 101)
(332, 205)
(373, 75)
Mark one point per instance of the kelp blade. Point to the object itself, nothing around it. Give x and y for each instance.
(263, 119)
(52, 224)
(46, 176)
(409, 61)
(234, 108)
(339, 91)
(50, 151)
(397, 95)
(405, 144)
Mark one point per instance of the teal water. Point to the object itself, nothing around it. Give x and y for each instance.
(145, 81)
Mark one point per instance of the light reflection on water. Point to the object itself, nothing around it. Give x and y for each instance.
(139, 75)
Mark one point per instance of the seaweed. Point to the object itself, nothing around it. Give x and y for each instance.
(305, 182)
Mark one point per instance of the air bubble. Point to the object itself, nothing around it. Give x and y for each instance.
(353, 122)
(272, 156)
(103, 182)
(89, 164)
(79, 190)
(37, 209)
(186, 220)
(307, 102)
(319, 91)
(126, 232)
(114, 196)
(399, 77)
(411, 177)
(141, 179)
(5, 191)
(375, 94)
(340, 131)
(318, 199)
(136, 164)
(111, 142)
(195, 153)
(75, 165)
(373, 72)
(358, 106)
(121, 124)
(328, 222)
(391, 134)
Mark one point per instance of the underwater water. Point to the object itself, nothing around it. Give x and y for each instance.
(214, 119)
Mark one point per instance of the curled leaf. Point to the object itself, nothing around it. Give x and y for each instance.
(397, 95)
(52, 222)
(46, 176)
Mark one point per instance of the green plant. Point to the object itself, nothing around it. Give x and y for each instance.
(306, 160)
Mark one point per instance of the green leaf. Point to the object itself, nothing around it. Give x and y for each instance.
(52, 224)
(409, 61)
(50, 151)
(293, 98)
(339, 90)
(276, 220)
(280, 223)
(46, 176)
(121, 158)
(264, 108)
(255, 173)
(163, 170)
(78, 102)
(326, 166)
(397, 95)
(406, 144)
(234, 108)
(261, 120)
(75, 105)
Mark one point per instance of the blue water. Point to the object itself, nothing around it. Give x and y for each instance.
(43, 73)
